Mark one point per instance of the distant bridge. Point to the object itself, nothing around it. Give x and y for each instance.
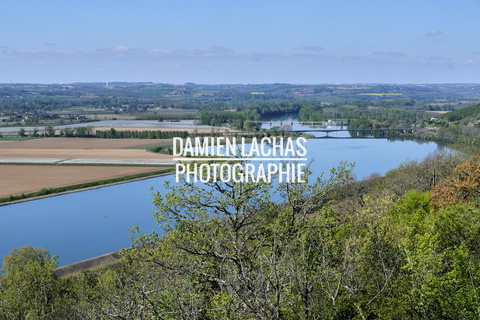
(326, 131)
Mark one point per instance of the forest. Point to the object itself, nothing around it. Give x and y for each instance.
(402, 246)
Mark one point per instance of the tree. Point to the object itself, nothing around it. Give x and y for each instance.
(423, 175)
(22, 132)
(250, 125)
(112, 133)
(463, 187)
(49, 131)
(238, 246)
(67, 132)
(84, 131)
(29, 287)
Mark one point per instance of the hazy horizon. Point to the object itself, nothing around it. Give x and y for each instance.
(245, 84)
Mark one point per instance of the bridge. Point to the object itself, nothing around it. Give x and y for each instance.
(326, 131)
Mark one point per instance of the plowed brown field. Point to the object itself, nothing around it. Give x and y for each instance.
(15, 180)
(20, 179)
(75, 148)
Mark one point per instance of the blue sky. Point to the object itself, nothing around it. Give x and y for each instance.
(226, 41)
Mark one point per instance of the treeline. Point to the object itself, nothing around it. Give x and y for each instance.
(129, 102)
(238, 120)
(466, 136)
(467, 114)
(377, 116)
(41, 105)
(112, 133)
(459, 128)
(147, 134)
(275, 108)
(402, 246)
(236, 113)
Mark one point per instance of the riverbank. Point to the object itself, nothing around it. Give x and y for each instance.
(91, 264)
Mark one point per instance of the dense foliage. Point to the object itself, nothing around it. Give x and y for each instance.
(461, 127)
(385, 247)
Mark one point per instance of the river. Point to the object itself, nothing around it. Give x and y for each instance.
(89, 223)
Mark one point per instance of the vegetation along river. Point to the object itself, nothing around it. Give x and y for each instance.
(85, 224)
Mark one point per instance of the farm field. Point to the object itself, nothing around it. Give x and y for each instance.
(15, 180)
(80, 148)
(18, 179)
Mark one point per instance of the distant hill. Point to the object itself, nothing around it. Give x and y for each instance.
(467, 114)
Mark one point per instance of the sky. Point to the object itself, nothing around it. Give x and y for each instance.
(240, 42)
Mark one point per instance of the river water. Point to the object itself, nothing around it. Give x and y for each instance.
(85, 224)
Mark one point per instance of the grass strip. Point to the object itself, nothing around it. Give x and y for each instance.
(17, 138)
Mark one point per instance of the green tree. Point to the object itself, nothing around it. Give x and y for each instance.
(67, 132)
(84, 131)
(112, 133)
(29, 287)
(49, 131)
(234, 241)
